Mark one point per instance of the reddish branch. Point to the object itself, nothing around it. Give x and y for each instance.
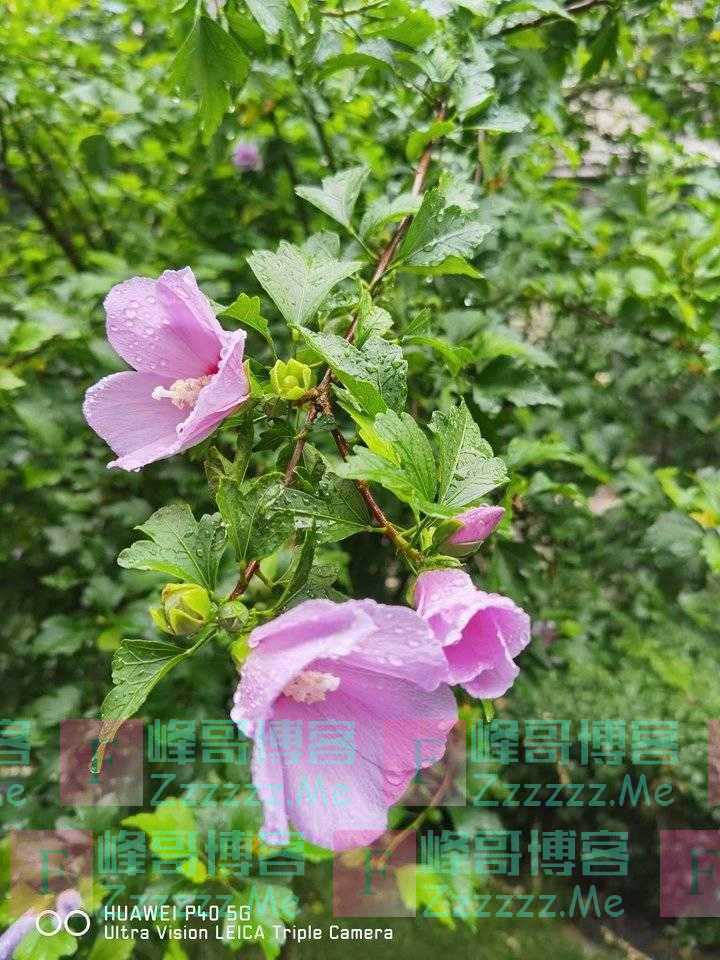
(321, 396)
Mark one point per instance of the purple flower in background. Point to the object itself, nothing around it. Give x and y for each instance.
(480, 632)
(372, 670)
(477, 525)
(247, 156)
(188, 374)
(66, 902)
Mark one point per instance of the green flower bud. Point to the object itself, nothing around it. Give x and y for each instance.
(185, 609)
(291, 379)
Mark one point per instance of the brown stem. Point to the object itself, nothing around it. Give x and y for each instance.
(322, 395)
(582, 6)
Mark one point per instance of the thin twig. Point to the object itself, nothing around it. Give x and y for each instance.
(322, 403)
(575, 8)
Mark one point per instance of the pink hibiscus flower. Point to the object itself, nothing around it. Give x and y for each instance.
(480, 632)
(345, 702)
(477, 525)
(188, 372)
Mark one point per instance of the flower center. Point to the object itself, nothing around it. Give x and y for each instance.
(183, 393)
(311, 686)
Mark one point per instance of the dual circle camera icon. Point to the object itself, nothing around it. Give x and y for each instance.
(77, 929)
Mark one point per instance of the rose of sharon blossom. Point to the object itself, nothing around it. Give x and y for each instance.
(477, 525)
(247, 156)
(375, 671)
(188, 374)
(480, 632)
(66, 902)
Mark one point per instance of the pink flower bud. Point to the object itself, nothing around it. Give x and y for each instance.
(477, 525)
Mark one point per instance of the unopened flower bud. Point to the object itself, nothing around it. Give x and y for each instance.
(477, 525)
(291, 379)
(184, 610)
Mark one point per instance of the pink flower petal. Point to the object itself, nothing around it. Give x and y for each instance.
(288, 645)
(385, 671)
(121, 409)
(164, 326)
(401, 645)
(227, 390)
(480, 632)
(342, 805)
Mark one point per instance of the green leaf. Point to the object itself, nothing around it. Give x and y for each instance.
(337, 510)
(438, 232)
(467, 470)
(170, 816)
(178, 546)
(371, 53)
(370, 319)
(410, 475)
(419, 139)
(299, 572)
(9, 380)
(104, 949)
(384, 211)
(538, 6)
(246, 310)
(604, 45)
(503, 120)
(450, 267)
(137, 666)
(37, 947)
(271, 908)
(526, 451)
(272, 15)
(376, 375)
(473, 88)
(338, 195)
(207, 62)
(455, 357)
(675, 534)
(255, 523)
(299, 281)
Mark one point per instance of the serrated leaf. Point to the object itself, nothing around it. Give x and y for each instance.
(383, 211)
(371, 319)
(338, 194)
(450, 267)
(375, 376)
(297, 281)
(419, 139)
(178, 546)
(410, 475)
(300, 570)
(371, 53)
(255, 523)
(105, 949)
(539, 6)
(503, 120)
(35, 946)
(137, 666)
(207, 62)
(473, 88)
(170, 816)
(467, 470)
(272, 15)
(337, 510)
(438, 232)
(455, 357)
(246, 310)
